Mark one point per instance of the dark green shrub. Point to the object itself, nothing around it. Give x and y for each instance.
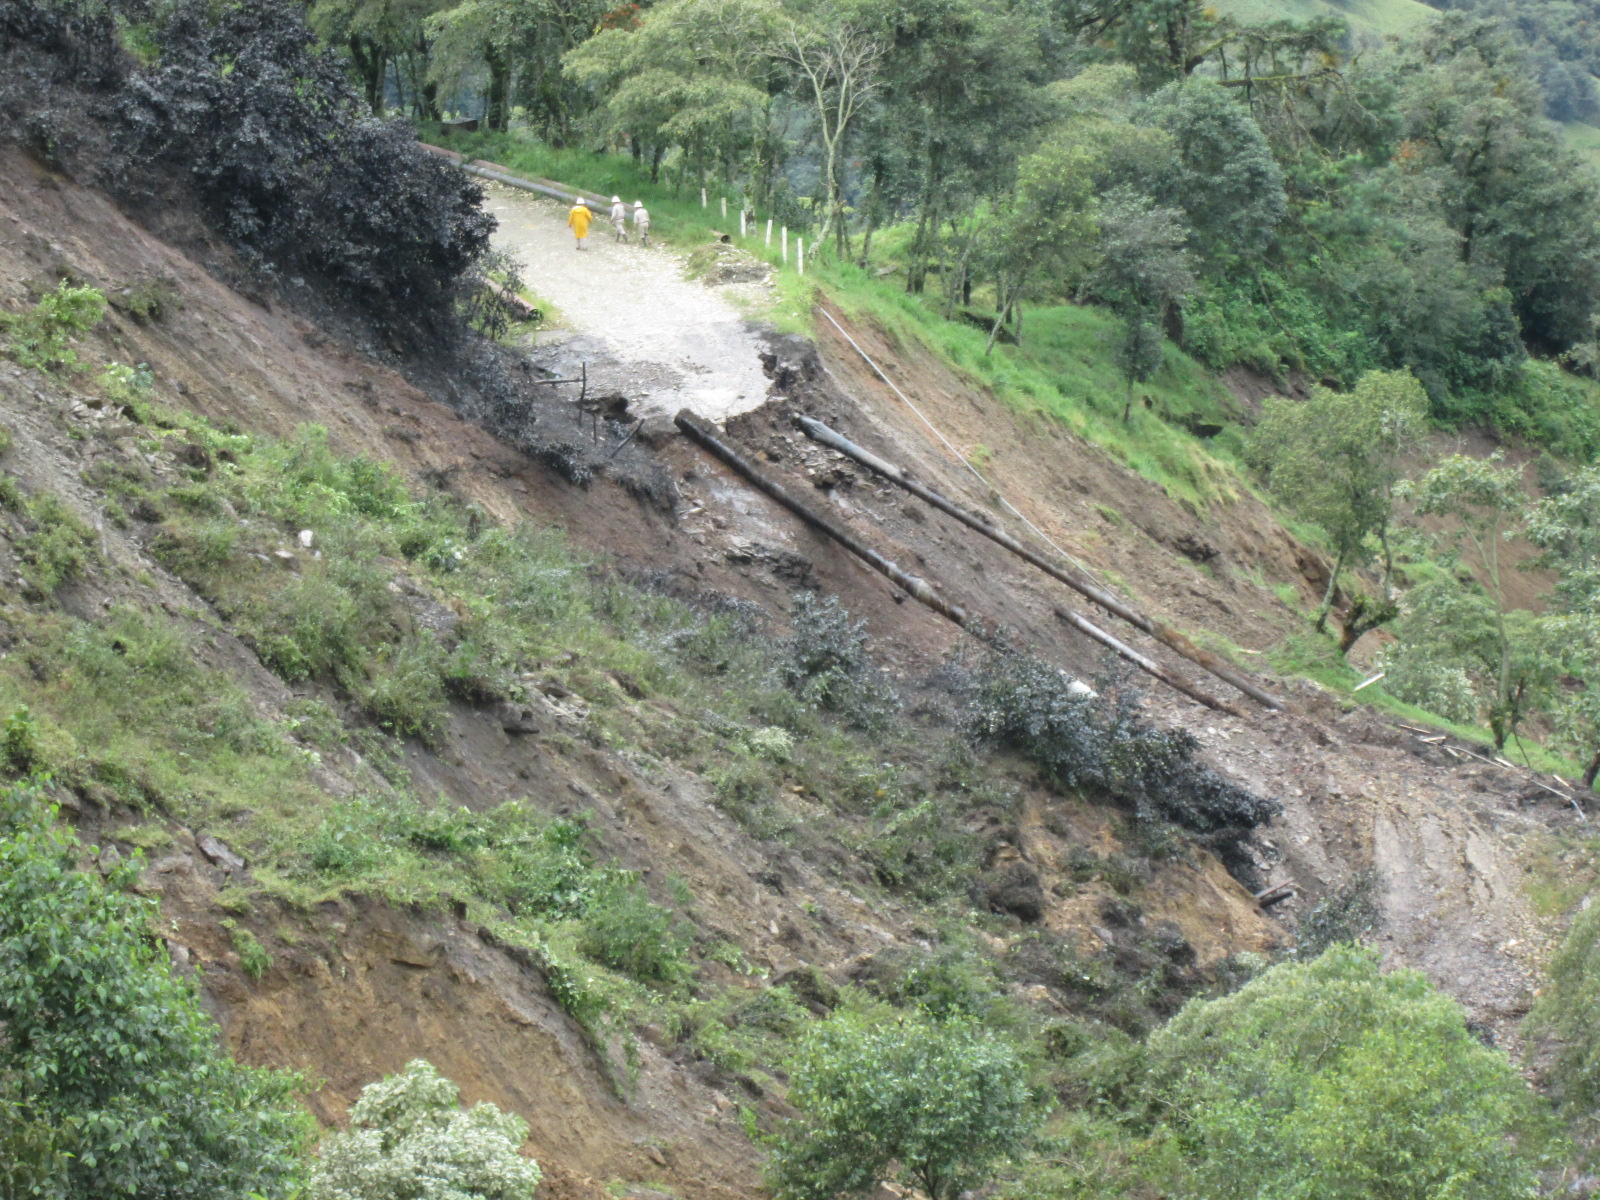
(538, 867)
(405, 691)
(938, 1102)
(57, 547)
(1101, 743)
(624, 930)
(1346, 914)
(19, 742)
(827, 664)
(42, 337)
(101, 1037)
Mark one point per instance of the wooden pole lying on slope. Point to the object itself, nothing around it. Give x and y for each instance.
(703, 433)
(1146, 664)
(1159, 630)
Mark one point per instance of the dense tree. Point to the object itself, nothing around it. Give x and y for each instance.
(1335, 459)
(1143, 273)
(696, 75)
(1527, 211)
(1044, 231)
(107, 1056)
(942, 1101)
(1565, 524)
(1469, 620)
(1224, 177)
(410, 1139)
(1337, 1079)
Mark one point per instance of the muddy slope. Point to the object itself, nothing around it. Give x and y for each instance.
(357, 989)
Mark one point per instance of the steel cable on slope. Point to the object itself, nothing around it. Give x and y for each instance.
(959, 457)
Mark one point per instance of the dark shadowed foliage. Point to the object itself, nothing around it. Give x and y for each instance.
(1101, 743)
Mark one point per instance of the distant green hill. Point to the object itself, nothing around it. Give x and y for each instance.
(1583, 138)
(1376, 16)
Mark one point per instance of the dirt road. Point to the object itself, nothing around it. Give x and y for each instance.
(665, 341)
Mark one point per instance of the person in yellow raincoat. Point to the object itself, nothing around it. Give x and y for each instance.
(579, 219)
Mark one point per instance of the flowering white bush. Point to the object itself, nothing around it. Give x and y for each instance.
(410, 1139)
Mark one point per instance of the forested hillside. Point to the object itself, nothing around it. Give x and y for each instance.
(428, 773)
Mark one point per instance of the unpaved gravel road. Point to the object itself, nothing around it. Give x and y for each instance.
(673, 342)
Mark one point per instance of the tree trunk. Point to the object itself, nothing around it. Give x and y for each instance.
(1327, 597)
(371, 63)
(994, 330)
(656, 153)
(1593, 771)
(497, 111)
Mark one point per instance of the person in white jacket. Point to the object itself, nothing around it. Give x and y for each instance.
(641, 222)
(619, 216)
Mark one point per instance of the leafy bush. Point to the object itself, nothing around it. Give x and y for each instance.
(42, 337)
(536, 867)
(624, 930)
(100, 1035)
(409, 1139)
(1334, 1078)
(243, 108)
(1100, 742)
(942, 1101)
(827, 664)
(57, 546)
(1419, 674)
(19, 742)
(254, 958)
(1566, 1013)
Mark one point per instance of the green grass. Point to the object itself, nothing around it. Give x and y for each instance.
(1585, 139)
(1364, 16)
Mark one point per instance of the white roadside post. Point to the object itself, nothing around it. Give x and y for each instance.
(769, 232)
(783, 242)
(702, 197)
(724, 208)
(741, 224)
(800, 245)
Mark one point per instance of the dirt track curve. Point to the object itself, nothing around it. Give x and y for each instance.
(675, 342)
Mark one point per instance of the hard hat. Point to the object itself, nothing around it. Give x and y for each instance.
(638, 203)
(616, 199)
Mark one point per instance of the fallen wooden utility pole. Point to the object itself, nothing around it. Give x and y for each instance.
(1146, 664)
(703, 433)
(1159, 630)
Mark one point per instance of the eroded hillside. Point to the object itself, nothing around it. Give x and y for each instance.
(616, 700)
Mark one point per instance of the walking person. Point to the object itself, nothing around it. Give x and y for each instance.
(641, 222)
(579, 219)
(619, 217)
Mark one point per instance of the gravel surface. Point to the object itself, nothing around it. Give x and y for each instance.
(679, 343)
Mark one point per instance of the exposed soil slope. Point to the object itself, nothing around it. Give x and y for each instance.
(358, 988)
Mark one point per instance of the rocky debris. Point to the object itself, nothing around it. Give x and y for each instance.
(516, 718)
(409, 949)
(1014, 888)
(785, 564)
(219, 853)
